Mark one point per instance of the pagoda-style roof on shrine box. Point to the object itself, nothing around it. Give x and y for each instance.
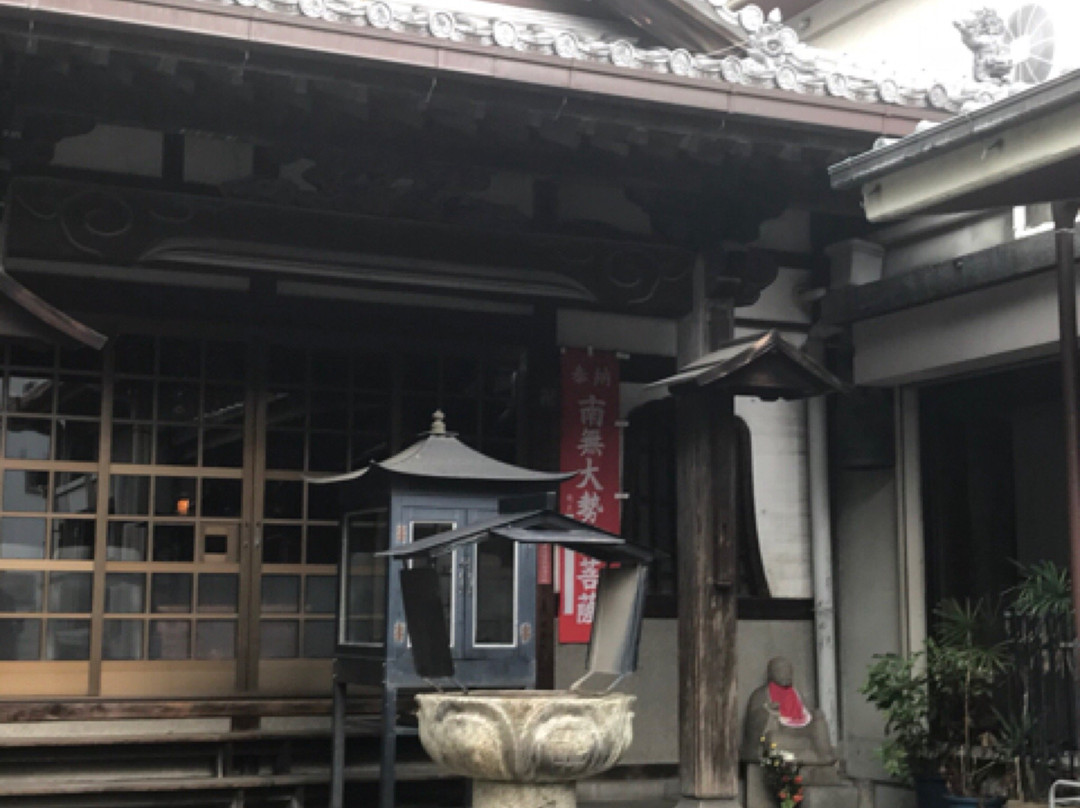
(531, 527)
(764, 365)
(441, 456)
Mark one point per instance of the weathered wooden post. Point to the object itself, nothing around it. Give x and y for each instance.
(766, 366)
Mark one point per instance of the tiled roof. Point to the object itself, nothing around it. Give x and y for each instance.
(770, 54)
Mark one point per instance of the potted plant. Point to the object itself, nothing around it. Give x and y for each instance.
(939, 710)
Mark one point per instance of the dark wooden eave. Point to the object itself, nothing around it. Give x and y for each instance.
(24, 315)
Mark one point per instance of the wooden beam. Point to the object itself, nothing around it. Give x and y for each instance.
(707, 606)
(1005, 262)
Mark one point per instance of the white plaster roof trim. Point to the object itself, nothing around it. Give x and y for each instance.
(771, 55)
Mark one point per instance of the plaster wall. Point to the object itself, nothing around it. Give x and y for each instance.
(656, 683)
(991, 327)
(118, 149)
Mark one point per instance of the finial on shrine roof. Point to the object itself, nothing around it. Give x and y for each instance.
(438, 423)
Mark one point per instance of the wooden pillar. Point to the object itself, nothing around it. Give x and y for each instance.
(708, 718)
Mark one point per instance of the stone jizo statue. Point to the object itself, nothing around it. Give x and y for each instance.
(777, 713)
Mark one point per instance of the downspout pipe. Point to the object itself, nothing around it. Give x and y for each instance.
(1064, 234)
(817, 451)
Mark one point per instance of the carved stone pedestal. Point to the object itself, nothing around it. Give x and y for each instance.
(487, 794)
(525, 748)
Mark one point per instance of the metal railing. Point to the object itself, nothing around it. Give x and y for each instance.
(1043, 694)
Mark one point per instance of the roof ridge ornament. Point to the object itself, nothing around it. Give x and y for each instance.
(772, 55)
(438, 423)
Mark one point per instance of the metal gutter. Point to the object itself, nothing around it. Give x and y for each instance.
(957, 132)
(247, 27)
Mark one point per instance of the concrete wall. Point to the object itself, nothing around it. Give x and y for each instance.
(991, 327)
(656, 683)
(868, 603)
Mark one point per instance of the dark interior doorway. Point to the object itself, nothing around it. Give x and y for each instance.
(993, 479)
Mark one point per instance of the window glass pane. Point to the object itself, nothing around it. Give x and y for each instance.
(285, 450)
(174, 496)
(125, 593)
(177, 445)
(319, 639)
(122, 639)
(220, 497)
(67, 639)
(328, 451)
(21, 591)
(323, 502)
(77, 440)
(368, 446)
(179, 358)
(20, 638)
(217, 592)
(129, 494)
(279, 639)
(28, 438)
(287, 409)
(22, 537)
(226, 360)
(170, 639)
(79, 395)
(178, 402)
(134, 354)
(323, 544)
(25, 490)
(70, 592)
(371, 371)
(72, 538)
(284, 499)
(281, 544)
(127, 541)
(74, 492)
(80, 359)
(288, 365)
(495, 592)
(223, 405)
(329, 369)
(32, 354)
(133, 399)
(170, 592)
(223, 448)
(30, 393)
(421, 373)
(132, 443)
(320, 594)
(329, 410)
(371, 413)
(281, 593)
(174, 542)
(215, 639)
(365, 585)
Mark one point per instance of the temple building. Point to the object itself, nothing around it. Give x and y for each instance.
(245, 244)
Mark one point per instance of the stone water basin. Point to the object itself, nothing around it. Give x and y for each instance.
(525, 747)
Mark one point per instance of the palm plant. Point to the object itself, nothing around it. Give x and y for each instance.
(939, 702)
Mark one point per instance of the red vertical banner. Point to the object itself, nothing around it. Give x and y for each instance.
(590, 445)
